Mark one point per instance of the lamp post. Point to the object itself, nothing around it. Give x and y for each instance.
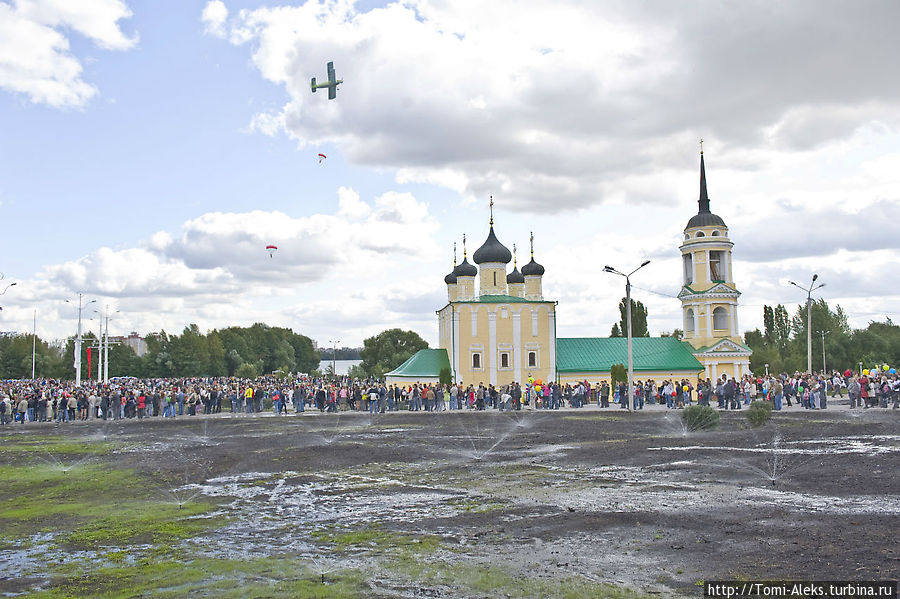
(767, 370)
(612, 270)
(81, 307)
(823, 348)
(106, 348)
(812, 287)
(33, 341)
(5, 289)
(334, 356)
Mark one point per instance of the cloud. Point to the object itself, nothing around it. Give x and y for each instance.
(35, 57)
(216, 272)
(571, 105)
(214, 15)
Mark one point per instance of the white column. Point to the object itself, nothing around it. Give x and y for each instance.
(456, 349)
(517, 346)
(715, 372)
(534, 322)
(492, 346)
(475, 321)
(734, 329)
(551, 323)
(709, 329)
(737, 331)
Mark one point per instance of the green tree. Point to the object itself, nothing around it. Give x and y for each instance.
(677, 333)
(388, 349)
(615, 332)
(618, 374)
(638, 319)
(247, 371)
(445, 377)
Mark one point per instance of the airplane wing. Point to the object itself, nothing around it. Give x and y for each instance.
(331, 76)
(332, 92)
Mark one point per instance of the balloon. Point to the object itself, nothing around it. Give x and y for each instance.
(885, 367)
(674, 393)
(685, 388)
(893, 371)
(539, 382)
(866, 371)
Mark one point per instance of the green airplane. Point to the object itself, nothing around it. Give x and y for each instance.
(331, 85)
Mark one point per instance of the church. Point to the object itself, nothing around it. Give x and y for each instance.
(504, 330)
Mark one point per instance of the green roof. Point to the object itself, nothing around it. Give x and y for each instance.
(592, 354)
(423, 363)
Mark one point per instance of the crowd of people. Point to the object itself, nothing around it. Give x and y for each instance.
(61, 401)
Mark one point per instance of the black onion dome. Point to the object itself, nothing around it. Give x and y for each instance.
(515, 277)
(532, 268)
(465, 269)
(492, 251)
(451, 278)
(704, 218)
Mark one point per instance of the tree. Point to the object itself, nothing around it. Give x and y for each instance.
(388, 349)
(618, 374)
(246, 371)
(677, 333)
(615, 332)
(638, 319)
(445, 377)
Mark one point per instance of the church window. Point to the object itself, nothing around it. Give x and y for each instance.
(715, 233)
(688, 269)
(495, 279)
(689, 321)
(716, 272)
(476, 361)
(504, 360)
(720, 319)
(532, 359)
(700, 234)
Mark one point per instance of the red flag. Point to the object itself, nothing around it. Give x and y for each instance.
(89, 361)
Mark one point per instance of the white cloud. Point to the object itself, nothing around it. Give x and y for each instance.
(214, 15)
(35, 57)
(568, 105)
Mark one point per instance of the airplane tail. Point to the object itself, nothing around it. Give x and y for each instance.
(313, 84)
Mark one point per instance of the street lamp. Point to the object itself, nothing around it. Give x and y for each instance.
(809, 291)
(823, 349)
(5, 289)
(612, 270)
(81, 307)
(334, 356)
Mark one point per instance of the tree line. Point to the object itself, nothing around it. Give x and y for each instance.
(233, 351)
(782, 344)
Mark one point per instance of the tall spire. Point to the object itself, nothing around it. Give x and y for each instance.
(454, 254)
(531, 239)
(514, 256)
(492, 211)
(464, 246)
(704, 198)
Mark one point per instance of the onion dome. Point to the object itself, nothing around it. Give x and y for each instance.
(465, 269)
(451, 278)
(703, 218)
(532, 268)
(515, 277)
(492, 251)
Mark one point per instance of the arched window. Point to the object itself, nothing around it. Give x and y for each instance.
(715, 233)
(532, 359)
(687, 235)
(476, 361)
(720, 319)
(700, 234)
(688, 269)
(689, 321)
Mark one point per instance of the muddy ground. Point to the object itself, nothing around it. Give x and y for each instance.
(460, 504)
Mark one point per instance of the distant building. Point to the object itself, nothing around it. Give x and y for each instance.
(134, 341)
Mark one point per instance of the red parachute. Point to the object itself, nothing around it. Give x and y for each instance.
(322, 157)
(271, 249)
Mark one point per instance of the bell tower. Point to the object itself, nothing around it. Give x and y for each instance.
(709, 296)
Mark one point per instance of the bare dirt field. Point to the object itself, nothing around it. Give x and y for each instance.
(569, 503)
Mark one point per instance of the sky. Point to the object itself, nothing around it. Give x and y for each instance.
(149, 151)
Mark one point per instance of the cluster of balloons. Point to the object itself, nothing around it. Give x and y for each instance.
(874, 370)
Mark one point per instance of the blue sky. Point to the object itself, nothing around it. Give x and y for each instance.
(153, 179)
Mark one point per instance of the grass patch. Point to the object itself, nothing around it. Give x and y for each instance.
(267, 577)
(376, 539)
(38, 446)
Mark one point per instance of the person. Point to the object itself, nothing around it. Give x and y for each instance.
(23, 409)
(604, 395)
(853, 389)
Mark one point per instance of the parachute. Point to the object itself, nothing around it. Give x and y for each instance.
(271, 249)
(322, 157)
